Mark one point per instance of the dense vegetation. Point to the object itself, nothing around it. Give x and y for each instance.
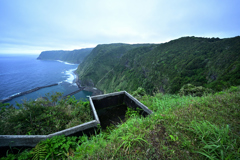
(101, 61)
(181, 127)
(75, 56)
(44, 116)
(210, 62)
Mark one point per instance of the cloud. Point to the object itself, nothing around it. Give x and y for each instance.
(30, 26)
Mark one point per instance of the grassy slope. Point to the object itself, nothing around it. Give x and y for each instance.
(180, 128)
(206, 127)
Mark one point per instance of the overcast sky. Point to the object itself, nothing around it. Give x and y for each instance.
(32, 26)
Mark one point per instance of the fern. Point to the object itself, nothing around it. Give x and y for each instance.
(39, 152)
(59, 147)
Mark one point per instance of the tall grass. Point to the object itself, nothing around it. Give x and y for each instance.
(215, 142)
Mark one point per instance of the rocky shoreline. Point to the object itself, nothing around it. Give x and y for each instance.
(95, 91)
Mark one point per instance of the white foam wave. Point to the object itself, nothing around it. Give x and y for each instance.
(60, 61)
(4, 98)
(60, 82)
(70, 76)
(65, 62)
(69, 63)
(15, 94)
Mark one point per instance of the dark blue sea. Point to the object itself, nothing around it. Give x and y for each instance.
(20, 73)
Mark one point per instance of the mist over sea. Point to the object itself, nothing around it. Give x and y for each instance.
(20, 73)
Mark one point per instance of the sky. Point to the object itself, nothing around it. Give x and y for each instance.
(32, 26)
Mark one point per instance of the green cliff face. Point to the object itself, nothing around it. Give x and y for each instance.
(210, 62)
(101, 61)
(75, 56)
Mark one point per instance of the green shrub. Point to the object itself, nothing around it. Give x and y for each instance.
(139, 92)
(57, 147)
(189, 89)
(44, 116)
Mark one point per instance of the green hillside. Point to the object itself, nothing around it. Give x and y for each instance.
(210, 62)
(75, 56)
(101, 60)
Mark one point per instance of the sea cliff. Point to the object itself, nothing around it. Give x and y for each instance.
(75, 56)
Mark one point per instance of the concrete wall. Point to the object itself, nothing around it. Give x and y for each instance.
(96, 102)
(32, 140)
(117, 98)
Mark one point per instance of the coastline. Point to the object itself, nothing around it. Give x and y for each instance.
(95, 91)
(76, 79)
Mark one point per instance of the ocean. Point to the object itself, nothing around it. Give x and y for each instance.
(20, 73)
